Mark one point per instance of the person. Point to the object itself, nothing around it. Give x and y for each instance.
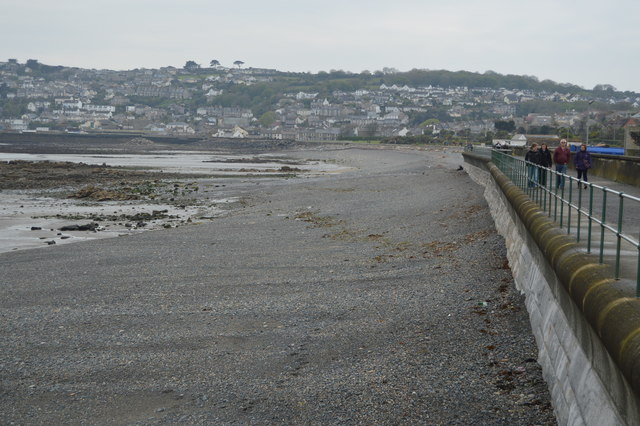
(561, 157)
(545, 161)
(582, 161)
(533, 157)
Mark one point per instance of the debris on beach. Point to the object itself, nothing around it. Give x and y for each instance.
(87, 227)
(99, 194)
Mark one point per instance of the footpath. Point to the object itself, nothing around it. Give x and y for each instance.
(376, 296)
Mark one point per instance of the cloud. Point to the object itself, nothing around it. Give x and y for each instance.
(584, 43)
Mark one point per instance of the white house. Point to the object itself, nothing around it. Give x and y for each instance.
(179, 127)
(518, 140)
(239, 132)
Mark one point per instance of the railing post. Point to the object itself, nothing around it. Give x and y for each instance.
(579, 215)
(638, 273)
(618, 235)
(562, 202)
(569, 207)
(603, 220)
(590, 220)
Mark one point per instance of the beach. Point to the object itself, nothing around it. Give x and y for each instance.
(377, 294)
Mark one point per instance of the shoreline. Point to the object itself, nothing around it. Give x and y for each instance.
(43, 198)
(136, 187)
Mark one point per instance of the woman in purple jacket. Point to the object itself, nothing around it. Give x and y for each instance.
(582, 161)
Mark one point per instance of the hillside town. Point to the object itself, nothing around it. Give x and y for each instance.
(179, 102)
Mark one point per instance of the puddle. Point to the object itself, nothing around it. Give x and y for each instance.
(28, 221)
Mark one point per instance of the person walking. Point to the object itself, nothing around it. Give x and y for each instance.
(545, 162)
(561, 157)
(582, 161)
(533, 163)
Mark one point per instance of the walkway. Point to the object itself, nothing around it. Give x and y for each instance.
(614, 214)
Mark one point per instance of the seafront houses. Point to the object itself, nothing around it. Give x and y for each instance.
(180, 128)
(236, 133)
(177, 101)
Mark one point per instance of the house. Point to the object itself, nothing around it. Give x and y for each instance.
(180, 128)
(303, 95)
(525, 140)
(17, 124)
(239, 132)
(632, 136)
(271, 134)
(518, 140)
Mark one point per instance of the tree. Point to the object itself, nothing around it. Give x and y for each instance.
(191, 66)
(369, 131)
(429, 122)
(604, 88)
(267, 119)
(238, 63)
(507, 126)
(214, 63)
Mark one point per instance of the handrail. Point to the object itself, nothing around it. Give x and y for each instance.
(549, 189)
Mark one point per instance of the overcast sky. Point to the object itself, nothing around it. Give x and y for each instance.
(584, 42)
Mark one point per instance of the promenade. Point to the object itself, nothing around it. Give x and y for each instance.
(594, 214)
(380, 295)
(585, 320)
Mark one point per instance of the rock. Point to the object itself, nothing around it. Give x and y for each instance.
(36, 228)
(87, 227)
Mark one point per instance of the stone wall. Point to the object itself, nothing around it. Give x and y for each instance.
(618, 168)
(587, 332)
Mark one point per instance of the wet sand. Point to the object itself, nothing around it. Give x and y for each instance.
(39, 191)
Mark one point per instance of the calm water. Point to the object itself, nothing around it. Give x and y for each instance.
(189, 162)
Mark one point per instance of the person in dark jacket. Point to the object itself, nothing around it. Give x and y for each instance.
(561, 157)
(545, 161)
(533, 162)
(582, 161)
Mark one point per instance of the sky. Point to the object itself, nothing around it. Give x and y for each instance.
(586, 42)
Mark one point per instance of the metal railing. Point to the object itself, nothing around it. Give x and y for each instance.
(603, 220)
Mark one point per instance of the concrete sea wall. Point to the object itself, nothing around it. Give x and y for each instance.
(617, 168)
(587, 331)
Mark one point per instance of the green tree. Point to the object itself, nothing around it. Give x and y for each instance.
(429, 122)
(369, 131)
(267, 119)
(32, 63)
(507, 126)
(13, 108)
(214, 63)
(191, 66)
(238, 63)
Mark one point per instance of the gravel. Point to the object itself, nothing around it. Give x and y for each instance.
(376, 296)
